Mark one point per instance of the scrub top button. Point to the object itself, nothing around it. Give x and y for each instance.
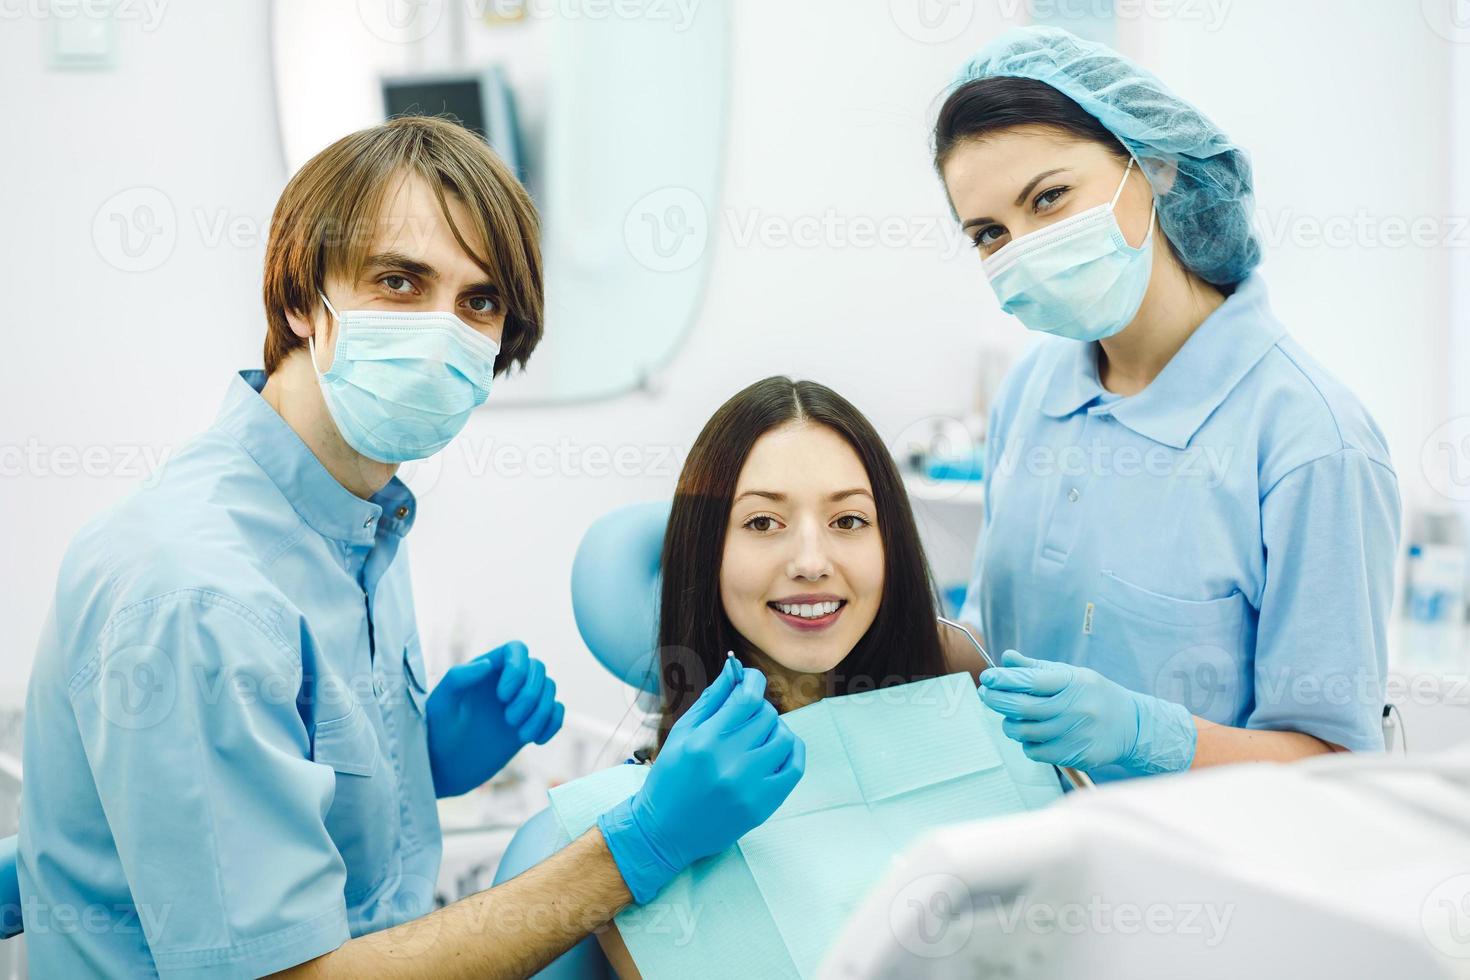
(1073, 494)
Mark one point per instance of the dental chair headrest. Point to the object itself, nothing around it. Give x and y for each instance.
(615, 591)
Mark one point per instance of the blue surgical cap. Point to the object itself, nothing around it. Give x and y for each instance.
(1201, 180)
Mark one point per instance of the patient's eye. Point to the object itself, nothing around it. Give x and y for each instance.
(852, 522)
(761, 523)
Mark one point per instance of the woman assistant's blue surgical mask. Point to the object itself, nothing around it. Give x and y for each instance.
(402, 385)
(1078, 278)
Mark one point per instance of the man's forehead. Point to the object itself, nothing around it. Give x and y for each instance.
(411, 223)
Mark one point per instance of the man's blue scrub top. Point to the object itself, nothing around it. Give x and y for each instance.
(1224, 539)
(226, 771)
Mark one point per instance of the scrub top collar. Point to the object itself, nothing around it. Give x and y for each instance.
(1224, 348)
(325, 505)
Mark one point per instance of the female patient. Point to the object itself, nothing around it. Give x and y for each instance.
(791, 542)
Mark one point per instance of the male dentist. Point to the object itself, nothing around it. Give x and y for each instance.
(231, 755)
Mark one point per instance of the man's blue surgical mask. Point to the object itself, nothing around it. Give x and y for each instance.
(402, 385)
(1078, 278)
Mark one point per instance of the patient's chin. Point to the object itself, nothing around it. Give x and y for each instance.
(809, 659)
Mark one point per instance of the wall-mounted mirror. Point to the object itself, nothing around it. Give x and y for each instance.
(612, 112)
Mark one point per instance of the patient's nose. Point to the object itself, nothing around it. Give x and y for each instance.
(810, 559)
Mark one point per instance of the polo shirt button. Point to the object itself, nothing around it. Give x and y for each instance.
(1073, 494)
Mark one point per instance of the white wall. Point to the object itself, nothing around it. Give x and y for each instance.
(1343, 105)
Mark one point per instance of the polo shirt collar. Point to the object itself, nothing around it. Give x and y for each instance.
(326, 505)
(1215, 358)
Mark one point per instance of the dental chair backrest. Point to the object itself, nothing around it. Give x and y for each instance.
(615, 587)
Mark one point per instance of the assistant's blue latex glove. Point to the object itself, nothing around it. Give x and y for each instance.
(726, 766)
(482, 712)
(1074, 716)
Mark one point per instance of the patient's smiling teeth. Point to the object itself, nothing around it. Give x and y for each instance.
(808, 610)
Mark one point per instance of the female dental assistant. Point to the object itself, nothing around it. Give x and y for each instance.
(1190, 527)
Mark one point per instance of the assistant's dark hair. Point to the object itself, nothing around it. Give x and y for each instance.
(989, 105)
(903, 643)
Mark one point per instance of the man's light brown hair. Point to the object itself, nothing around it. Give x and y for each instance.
(327, 216)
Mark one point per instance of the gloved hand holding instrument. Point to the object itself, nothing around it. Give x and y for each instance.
(725, 767)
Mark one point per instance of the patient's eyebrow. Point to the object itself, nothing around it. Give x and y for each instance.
(781, 497)
(767, 494)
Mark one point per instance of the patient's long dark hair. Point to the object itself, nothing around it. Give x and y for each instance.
(903, 643)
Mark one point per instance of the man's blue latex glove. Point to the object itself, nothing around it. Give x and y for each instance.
(726, 766)
(482, 712)
(1074, 716)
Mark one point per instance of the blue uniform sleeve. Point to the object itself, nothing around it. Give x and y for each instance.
(1331, 530)
(187, 712)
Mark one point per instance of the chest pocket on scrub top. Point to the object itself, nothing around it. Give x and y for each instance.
(409, 720)
(415, 675)
(1189, 651)
(363, 817)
